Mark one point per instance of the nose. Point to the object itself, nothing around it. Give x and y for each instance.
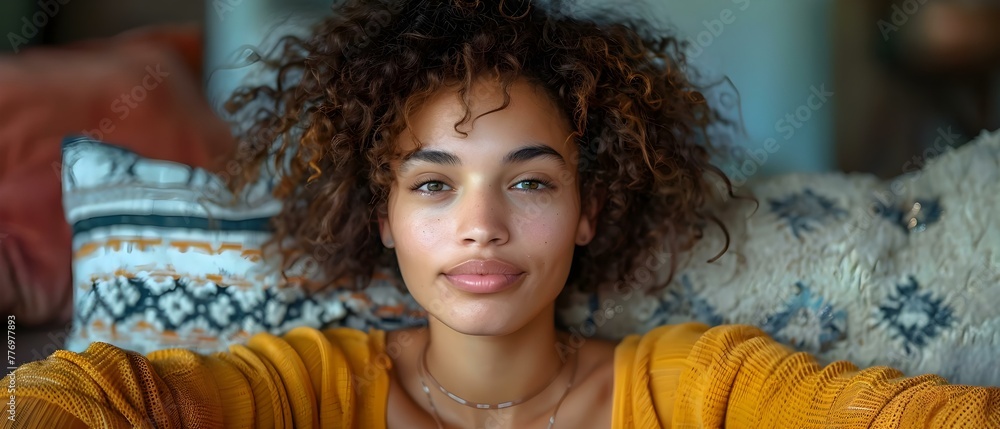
(482, 217)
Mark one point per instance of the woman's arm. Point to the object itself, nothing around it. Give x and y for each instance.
(738, 377)
(106, 386)
(303, 379)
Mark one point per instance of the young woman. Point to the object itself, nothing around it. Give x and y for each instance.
(496, 153)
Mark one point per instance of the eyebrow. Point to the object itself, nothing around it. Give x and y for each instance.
(522, 154)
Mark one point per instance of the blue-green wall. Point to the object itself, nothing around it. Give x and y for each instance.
(774, 51)
(232, 24)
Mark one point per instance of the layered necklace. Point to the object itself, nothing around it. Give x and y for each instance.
(425, 372)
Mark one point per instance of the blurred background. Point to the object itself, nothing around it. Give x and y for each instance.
(877, 86)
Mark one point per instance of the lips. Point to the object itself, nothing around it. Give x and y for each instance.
(484, 275)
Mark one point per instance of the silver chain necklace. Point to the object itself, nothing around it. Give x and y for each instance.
(424, 371)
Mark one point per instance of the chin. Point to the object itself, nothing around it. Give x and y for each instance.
(482, 319)
(496, 314)
(479, 329)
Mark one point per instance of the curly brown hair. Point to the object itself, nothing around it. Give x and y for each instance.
(329, 121)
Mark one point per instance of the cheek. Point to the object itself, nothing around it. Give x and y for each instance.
(420, 232)
(414, 229)
(550, 233)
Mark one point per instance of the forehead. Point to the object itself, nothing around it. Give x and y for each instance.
(529, 117)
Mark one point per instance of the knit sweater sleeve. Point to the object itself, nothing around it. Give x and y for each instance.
(306, 378)
(737, 377)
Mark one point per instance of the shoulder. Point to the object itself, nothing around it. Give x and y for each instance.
(691, 342)
(687, 333)
(360, 352)
(678, 339)
(647, 370)
(348, 339)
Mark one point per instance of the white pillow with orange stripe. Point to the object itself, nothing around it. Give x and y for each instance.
(159, 261)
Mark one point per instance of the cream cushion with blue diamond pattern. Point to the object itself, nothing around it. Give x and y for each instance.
(903, 273)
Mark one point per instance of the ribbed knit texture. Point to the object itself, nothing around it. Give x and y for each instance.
(678, 376)
(689, 376)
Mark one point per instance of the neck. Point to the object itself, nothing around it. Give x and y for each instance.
(496, 369)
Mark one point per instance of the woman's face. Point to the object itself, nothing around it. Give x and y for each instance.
(506, 192)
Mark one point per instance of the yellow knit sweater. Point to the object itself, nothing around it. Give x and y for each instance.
(680, 376)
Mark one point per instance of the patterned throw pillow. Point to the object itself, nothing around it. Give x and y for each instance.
(904, 272)
(160, 260)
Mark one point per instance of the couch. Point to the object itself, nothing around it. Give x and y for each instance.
(901, 272)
